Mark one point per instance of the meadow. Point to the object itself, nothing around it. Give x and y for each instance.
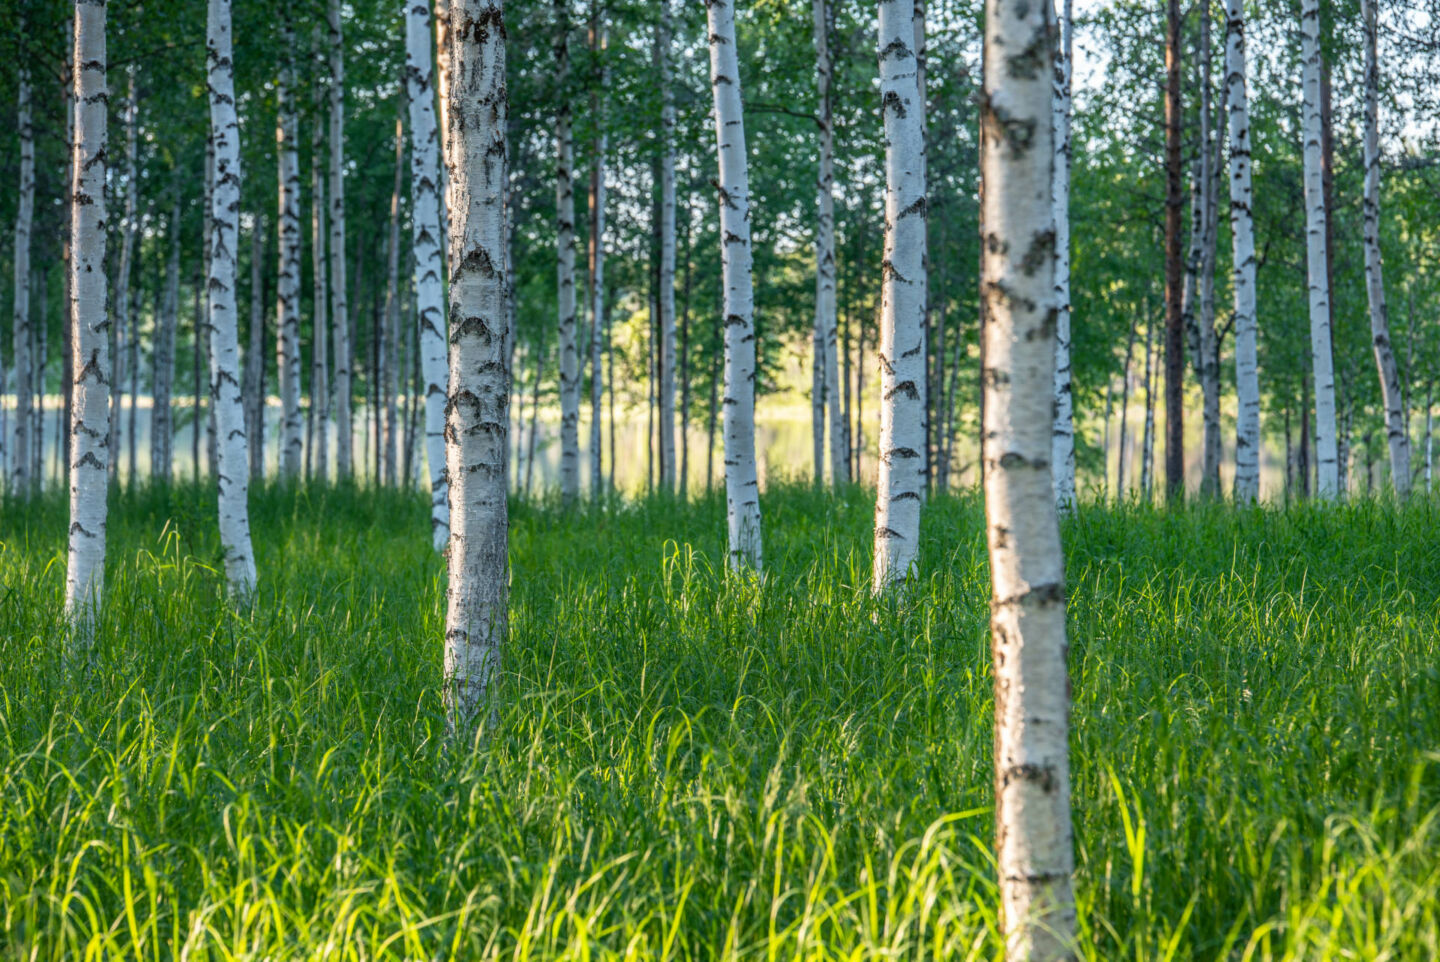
(686, 765)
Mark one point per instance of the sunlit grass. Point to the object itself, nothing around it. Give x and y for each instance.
(690, 767)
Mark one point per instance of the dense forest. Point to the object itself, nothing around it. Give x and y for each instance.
(382, 375)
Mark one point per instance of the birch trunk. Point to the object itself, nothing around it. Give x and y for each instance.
(287, 295)
(125, 320)
(667, 254)
(1147, 445)
(386, 374)
(90, 357)
(1321, 355)
(1396, 433)
(598, 44)
(1027, 566)
(339, 305)
(255, 355)
(1429, 438)
(565, 265)
(1063, 449)
(1242, 230)
(1208, 362)
(319, 364)
(23, 481)
(1174, 283)
(742, 486)
(827, 328)
(227, 401)
(162, 378)
(901, 478)
(428, 262)
(478, 416)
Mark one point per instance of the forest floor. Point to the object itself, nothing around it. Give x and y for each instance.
(688, 766)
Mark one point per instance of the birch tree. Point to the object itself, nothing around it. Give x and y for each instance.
(339, 304)
(1242, 233)
(162, 375)
(742, 486)
(233, 476)
(387, 426)
(1321, 356)
(827, 328)
(21, 480)
(901, 477)
(478, 417)
(565, 264)
(319, 363)
(599, 146)
(1063, 453)
(1027, 566)
(90, 359)
(287, 293)
(1397, 435)
(254, 392)
(1207, 361)
(428, 264)
(667, 253)
(125, 321)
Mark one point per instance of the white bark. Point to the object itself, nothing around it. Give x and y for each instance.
(162, 378)
(255, 355)
(202, 320)
(827, 328)
(428, 262)
(339, 305)
(1208, 361)
(386, 374)
(125, 322)
(667, 255)
(742, 486)
(90, 359)
(1396, 433)
(599, 41)
(901, 477)
(1321, 355)
(1242, 231)
(1063, 448)
(21, 480)
(565, 265)
(477, 425)
(287, 297)
(1027, 566)
(319, 362)
(233, 477)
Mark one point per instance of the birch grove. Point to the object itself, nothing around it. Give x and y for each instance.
(89, 373)
(478, 412)
(901, 480)
(742, 485)
(233, 477)
(1242, 232)
(1063, 453)
(426, 234)
(21, 481)
(1397, 436)
(1317, 259)
(1033, 848)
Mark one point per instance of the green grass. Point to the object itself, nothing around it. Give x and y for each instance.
(685, 766)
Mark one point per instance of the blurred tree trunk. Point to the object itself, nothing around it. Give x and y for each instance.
(570, 376)
(287, 298)
(1242, 230)
(385, 372)
(598, 44)
(1317, 256)
(27, 425)
(339, 305)
(665, 54)
(319, 328)
(1174, 294)
(255, 355)
(162, 378)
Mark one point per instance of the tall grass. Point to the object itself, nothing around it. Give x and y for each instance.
(688, 766)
